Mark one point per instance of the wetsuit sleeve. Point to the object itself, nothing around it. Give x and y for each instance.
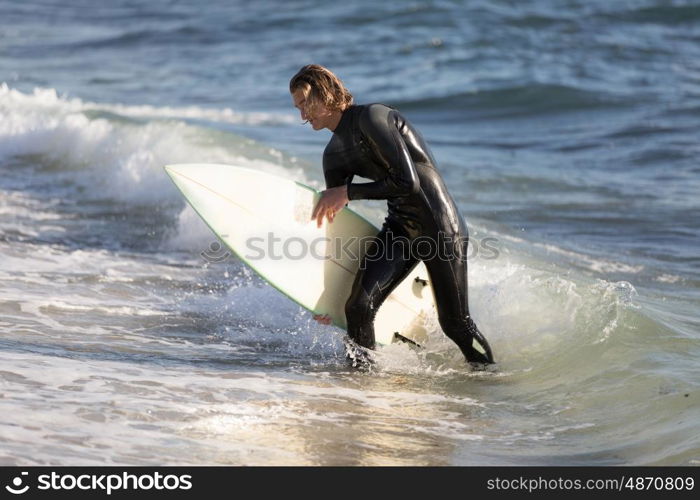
(379, 125)
(334, 176)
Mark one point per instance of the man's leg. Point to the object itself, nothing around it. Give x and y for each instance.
(387, 262)
(448, 276)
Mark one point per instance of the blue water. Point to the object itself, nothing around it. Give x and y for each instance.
(567, 131)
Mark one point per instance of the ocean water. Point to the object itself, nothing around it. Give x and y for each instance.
(567, 132)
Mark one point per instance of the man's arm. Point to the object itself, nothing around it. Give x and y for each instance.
(379, 125)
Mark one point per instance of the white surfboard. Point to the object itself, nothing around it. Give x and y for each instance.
(265, 221)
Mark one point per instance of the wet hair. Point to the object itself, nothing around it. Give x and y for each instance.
(321, 87)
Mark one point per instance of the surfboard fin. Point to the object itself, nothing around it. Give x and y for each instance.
(400, 338)
(421, 281)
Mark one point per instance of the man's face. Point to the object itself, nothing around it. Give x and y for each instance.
(318, 116)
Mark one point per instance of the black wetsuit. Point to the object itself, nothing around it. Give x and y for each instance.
(376, 142)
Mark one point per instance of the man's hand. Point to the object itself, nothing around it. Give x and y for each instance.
(324, 319)
(332, 200)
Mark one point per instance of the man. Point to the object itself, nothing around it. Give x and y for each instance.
(376, 142)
